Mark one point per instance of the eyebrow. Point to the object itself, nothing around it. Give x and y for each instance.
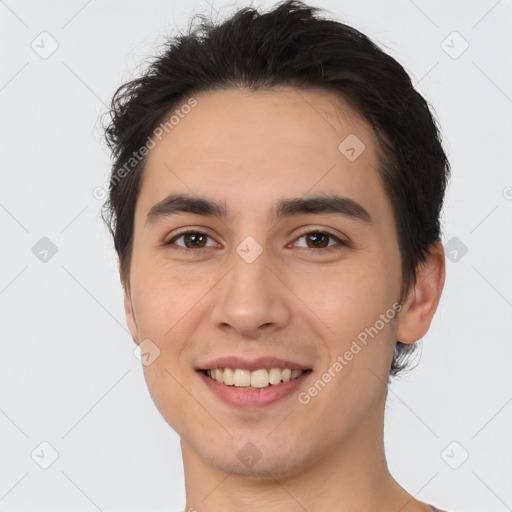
(175, 204)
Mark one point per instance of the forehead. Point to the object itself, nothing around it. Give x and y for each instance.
(264, 145)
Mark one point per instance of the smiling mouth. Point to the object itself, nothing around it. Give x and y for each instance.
(257, 379)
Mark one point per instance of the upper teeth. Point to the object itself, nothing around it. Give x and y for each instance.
(256, 379)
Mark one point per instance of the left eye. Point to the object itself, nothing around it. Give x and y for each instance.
(196, 239)
(319, 238)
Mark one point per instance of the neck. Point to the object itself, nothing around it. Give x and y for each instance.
(351, 477)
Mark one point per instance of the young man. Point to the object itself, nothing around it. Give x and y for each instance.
(274, 202)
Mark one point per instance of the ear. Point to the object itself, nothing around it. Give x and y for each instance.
(422, 300)
(130, 317)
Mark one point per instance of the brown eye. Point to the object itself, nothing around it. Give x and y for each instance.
(317, 239)
(191, 240)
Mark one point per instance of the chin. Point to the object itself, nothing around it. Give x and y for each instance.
(259, 457)
(266, 468)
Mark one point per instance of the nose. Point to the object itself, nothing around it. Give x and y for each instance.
(251, 300)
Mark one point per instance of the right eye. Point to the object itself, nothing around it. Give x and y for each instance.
(193, 239)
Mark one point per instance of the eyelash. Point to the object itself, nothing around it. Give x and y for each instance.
(341, 243)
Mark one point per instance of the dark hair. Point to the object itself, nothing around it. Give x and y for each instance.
(288, 46)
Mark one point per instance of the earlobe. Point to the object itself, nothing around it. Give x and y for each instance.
(130, 317)
(421, 303)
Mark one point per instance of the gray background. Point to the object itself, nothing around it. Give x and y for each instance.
(68, 374)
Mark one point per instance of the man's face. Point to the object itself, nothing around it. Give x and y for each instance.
(251, 285)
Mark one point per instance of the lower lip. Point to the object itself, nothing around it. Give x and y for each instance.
(253, 398)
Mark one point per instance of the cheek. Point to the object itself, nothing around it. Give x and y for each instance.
(163, 295)
(352, 293)
(168, 396)
(355, 301)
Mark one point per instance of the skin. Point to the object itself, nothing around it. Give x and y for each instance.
(295, 302)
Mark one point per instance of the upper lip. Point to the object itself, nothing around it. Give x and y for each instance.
(251, 364)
